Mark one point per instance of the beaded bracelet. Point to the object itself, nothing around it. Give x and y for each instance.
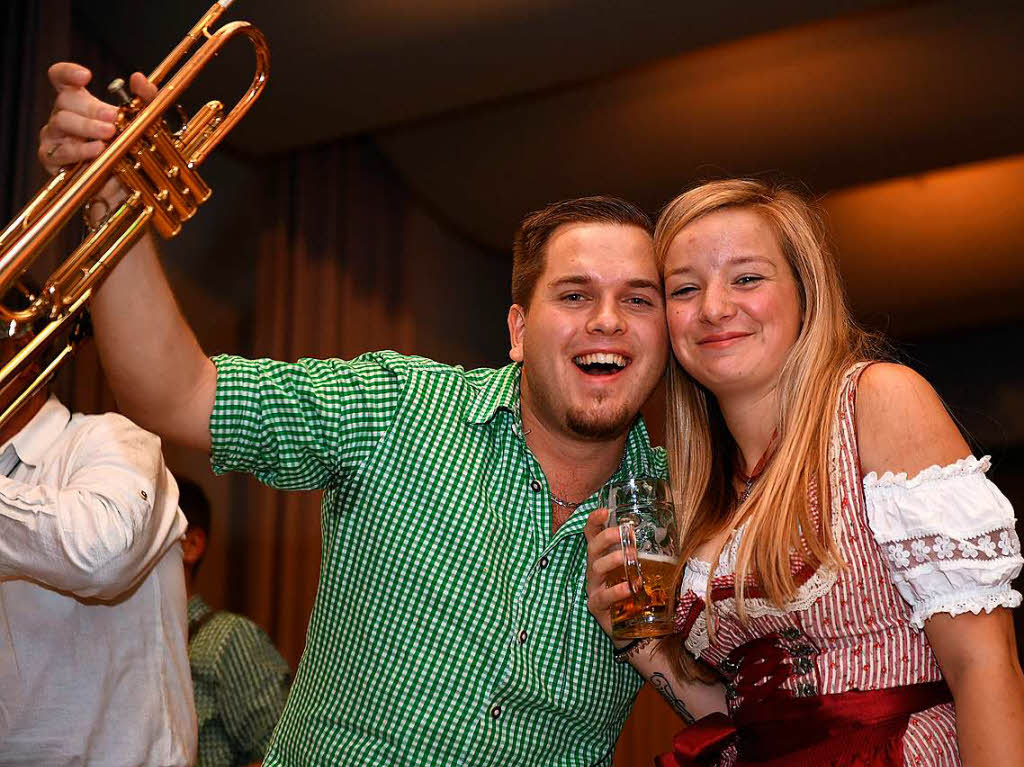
(622, 654)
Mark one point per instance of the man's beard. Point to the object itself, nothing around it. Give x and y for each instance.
(599, 423)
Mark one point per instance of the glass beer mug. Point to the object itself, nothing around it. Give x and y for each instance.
(641, 507)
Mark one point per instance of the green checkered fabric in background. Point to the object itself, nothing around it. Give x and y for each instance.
(240, 683)
(450, 625)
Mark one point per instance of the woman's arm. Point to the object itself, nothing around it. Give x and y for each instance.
(978, 656)
(690, 699)
(902, 426)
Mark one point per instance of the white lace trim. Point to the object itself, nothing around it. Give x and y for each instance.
(698, 640)
(970, 602)
(962, 468)
(811, 590)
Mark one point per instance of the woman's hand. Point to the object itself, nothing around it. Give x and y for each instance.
(604, 555)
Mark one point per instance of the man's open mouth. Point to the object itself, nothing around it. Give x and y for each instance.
(601, 363)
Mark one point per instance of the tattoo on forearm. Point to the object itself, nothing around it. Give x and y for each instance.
(660, 683)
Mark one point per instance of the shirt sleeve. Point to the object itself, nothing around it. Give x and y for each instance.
(101, 527)
(303, 425)
(252, 686)
(949, 538)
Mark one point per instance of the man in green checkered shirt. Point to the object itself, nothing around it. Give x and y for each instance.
(450, 624)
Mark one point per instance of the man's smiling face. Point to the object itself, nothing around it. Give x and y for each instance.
(593, 341)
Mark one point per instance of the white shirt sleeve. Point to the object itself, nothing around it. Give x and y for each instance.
(99, 526)
(948, 536)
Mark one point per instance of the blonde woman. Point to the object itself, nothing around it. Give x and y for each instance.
(857, 611)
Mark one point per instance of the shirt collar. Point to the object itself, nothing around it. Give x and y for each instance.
(499, 392)
(197, 608)
(38, 435)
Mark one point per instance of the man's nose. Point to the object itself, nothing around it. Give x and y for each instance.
(606, 318)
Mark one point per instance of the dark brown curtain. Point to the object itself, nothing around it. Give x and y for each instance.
(330, 260)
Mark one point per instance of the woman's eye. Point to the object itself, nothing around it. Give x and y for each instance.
(683, 291)
(749, 279)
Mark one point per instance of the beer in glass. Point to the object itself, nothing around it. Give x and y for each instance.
(641, 508)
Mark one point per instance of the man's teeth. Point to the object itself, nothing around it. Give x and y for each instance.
(601, 358)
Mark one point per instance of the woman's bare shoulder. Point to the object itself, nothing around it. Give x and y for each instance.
(902, 423)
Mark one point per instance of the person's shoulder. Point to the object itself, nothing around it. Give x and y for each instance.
(394, 363)
(113, 428)
(889, 394)
(902, 423)
(241, 637)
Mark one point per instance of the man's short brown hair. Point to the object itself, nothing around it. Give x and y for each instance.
(528, 247)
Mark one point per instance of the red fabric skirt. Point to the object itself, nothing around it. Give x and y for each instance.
(853, 729)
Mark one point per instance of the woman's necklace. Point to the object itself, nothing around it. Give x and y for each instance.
(748, 480)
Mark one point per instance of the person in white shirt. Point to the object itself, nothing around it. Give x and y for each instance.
(93, 662)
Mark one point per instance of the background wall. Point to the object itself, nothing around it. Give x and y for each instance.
(370, 198)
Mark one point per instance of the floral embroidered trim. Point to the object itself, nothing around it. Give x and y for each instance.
(962, 468)
(937, 549)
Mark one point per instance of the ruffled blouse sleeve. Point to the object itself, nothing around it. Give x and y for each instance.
(948, 536)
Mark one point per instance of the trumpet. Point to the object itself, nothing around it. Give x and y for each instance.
(155, 164)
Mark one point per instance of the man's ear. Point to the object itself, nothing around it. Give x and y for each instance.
(193, 546)
(516, 331)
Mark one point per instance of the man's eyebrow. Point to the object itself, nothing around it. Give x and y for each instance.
(642, 283)
(582, 279)
(572, 279)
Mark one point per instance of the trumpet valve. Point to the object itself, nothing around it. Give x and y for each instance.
(119, 91)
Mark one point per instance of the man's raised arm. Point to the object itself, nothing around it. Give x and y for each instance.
(159, 374)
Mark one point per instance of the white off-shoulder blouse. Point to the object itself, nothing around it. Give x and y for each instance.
(949, 538)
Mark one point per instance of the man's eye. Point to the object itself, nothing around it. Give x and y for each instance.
(573, 297)
(684, 291)
(639, 301)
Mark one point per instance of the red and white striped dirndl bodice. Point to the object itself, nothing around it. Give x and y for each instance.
(846, 630)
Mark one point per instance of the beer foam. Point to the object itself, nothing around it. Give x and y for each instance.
(657, 557)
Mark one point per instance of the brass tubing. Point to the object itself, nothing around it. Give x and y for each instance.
(198, 30)
(156, 173)
(94, 175)
(162, 220)
(158, 170)
(26, 355)
(99, 268)
(259, 80)
(41, 200)
(66, 281)
(39, 382)
(208, 113)
(178, 172)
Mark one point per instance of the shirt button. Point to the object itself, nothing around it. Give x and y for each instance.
(535, 486)
(495, 712)
(522, 637)
(542, 563)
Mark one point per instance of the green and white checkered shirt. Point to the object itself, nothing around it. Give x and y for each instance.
(450, 625)
(240, 683)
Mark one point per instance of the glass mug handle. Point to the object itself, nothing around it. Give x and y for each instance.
(631, 562)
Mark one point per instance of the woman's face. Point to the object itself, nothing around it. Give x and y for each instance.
(732, 301)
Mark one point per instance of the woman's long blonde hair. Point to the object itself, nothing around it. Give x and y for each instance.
(701, 451)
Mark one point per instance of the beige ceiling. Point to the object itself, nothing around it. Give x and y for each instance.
(910, 113)
(341, 67)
